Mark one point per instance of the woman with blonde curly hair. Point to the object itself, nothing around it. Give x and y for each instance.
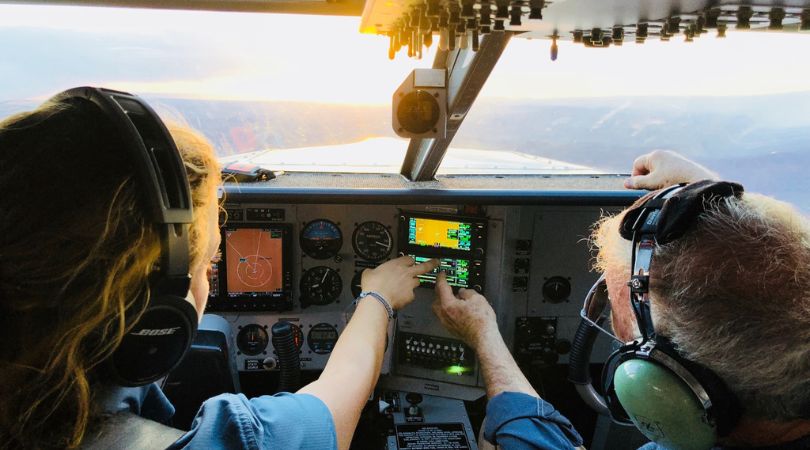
(77, 250)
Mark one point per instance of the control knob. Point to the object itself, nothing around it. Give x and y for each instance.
(414, 399)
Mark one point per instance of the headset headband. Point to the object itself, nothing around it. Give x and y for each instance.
(158, 165)
(663, 217)
(676, 209)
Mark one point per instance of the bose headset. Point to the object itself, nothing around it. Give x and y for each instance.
(164, 331)
(675, 402)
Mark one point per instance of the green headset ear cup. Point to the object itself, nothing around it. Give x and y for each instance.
(662, 406)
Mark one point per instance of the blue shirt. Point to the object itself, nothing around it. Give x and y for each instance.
(232, 421)
(518, 421)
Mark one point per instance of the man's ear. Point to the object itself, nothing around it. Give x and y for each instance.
(622, 318)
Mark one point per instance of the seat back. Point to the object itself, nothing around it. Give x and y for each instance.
(207, 370)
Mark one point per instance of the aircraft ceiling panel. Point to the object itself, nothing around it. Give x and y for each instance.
(596, 23)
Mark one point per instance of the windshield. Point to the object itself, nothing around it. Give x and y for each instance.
(739, 105)
(311, 93)
(249, 82)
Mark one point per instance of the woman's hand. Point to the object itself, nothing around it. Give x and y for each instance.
(396, 279)
(468, 315)
(663, 168)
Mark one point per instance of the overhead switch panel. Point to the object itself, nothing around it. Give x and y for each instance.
(459, 24)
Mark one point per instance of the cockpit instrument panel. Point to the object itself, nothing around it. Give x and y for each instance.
(528, 260)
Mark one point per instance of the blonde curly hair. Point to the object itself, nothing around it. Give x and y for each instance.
(75, 256)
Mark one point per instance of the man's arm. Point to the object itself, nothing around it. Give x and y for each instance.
(471, 317)
(663, 168)
(516, 416)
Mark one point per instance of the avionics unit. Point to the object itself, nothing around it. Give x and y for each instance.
(458, 242)
(255, 272)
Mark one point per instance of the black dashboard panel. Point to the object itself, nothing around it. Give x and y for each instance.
(330, 188)
(528, 239)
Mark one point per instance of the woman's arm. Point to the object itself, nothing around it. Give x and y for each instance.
(354, 365)
(353, 368)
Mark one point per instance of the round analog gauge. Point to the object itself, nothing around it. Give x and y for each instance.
(357, 288)
(372, 241)
(556, 289)
(322, 338)
(321, 239)
(252, 339)
(320, 286)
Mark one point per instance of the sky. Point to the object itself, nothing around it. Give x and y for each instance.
(239, 56)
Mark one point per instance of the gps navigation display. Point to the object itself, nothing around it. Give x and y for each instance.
(254, 260)
(424, 232)
(457, 271)
(255, 272)
(458, 242)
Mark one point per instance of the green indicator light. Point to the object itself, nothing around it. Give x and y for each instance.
(456, 370)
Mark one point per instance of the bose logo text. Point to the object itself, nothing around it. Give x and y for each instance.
(156, 332)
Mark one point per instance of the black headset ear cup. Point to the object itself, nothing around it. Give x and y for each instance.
(157, 343)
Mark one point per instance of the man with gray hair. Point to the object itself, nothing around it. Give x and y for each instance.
(731, 295)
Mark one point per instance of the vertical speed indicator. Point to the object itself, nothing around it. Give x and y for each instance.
(372, 241)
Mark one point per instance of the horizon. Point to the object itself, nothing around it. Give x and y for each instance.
(33, 101)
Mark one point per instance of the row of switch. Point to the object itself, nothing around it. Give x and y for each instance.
(433, 352)
(446, 353)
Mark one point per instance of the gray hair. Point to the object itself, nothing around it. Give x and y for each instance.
(734, 295)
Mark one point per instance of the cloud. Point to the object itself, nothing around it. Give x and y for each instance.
(40, 62)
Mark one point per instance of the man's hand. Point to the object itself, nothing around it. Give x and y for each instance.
(468, 316)
(663, 168)
(396, 279)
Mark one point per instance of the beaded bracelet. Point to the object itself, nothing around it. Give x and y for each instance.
(379, 298)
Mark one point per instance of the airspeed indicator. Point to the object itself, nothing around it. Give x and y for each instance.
(372, 241)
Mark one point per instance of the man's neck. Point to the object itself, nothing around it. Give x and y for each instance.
(757, 433)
